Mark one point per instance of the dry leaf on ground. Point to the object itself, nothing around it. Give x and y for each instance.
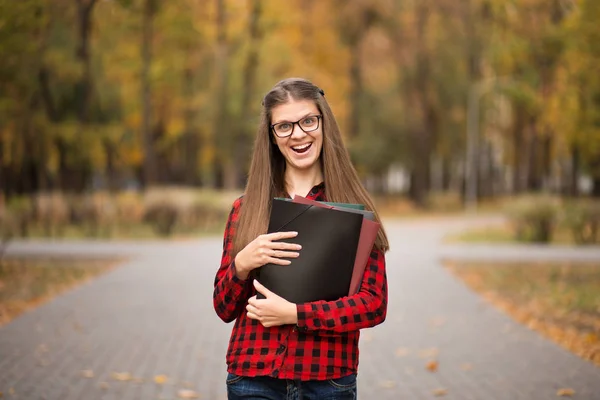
(187, 394)
(387, 384)
(429, 353)
(103, 385)
(87, 373)
(432, 366)
(161, 379)
(401, 351)
(565, 392)
(121, 376)
(440, 392)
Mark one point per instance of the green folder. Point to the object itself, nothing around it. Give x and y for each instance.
(347, 205)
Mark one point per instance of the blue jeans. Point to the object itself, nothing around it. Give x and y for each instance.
(267, 388)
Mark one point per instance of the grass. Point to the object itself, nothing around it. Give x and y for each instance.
(28, 282)
(559, 300)
(439, 205)
(133, 231)
(504, 234)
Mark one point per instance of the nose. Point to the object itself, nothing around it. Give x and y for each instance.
(297, 131)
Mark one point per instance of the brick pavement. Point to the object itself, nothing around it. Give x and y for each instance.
(154, 316)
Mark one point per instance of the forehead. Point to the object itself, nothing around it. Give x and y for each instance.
(293, 110)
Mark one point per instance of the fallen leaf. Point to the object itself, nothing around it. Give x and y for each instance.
(87, 373)
(466, 367)
(432, 366)
(439, 392)
(103, 385)
(11, 391)
(591, 338)
(566, 392)
(429, 353)
(121, 376)
(401, 352)
(43, 363)
(161, 379)
(187, 394)
(387, 384)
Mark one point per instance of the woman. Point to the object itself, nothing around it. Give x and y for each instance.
(277, 349)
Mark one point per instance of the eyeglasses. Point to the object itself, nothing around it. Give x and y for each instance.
(307, 124)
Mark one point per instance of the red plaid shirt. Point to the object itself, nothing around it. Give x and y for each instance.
(324, 343)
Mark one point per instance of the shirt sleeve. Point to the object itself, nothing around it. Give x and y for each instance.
(365, 309)
(230, 292)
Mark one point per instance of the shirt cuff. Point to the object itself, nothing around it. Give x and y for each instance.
(238, 283)
(305, 314)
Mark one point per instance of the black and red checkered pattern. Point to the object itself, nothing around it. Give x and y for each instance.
(324, 343)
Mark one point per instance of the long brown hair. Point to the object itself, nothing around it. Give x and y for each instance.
(267, 170)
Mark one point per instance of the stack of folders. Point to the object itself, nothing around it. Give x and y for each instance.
(336, 239)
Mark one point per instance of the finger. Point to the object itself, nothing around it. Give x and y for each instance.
(262, 290)
(252, 316)
(252, 300)
(278, 261)
(281, 235)
(252, 310)
(284, 254)
(284, 246)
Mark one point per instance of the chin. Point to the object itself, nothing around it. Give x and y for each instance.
(304, 164)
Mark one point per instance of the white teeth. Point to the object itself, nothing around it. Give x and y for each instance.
(301, 147)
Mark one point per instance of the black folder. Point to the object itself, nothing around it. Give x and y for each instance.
(329, 239)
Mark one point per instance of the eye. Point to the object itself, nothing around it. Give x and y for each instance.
(308, 121)
(284, 126)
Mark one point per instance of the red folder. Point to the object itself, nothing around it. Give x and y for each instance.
(368, 235)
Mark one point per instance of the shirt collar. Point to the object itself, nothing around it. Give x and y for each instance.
(317, 191)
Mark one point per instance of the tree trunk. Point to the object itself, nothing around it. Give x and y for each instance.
(190, 139)
(222, 135)
(82, 172)
(423, 130)
(595, 169)
(146, 95)
(84, 20)
(356, 90)
(243, 139)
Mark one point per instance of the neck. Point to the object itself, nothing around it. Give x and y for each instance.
(300, 182)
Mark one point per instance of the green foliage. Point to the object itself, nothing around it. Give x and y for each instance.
(411, 75)
(582, 217)
(533, 217)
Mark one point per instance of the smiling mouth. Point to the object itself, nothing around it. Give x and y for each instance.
(302, 149)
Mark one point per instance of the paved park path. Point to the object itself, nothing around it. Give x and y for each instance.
(153, 316)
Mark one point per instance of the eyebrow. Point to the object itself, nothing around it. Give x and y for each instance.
(301, 118)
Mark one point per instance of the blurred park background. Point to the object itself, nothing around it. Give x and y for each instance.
(135, 119)
(120, 113)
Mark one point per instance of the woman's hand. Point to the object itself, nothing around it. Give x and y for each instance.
(265, 249)
(273, 310)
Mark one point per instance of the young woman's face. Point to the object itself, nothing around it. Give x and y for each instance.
(301, 149)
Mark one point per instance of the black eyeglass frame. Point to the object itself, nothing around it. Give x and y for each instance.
(318, 116)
